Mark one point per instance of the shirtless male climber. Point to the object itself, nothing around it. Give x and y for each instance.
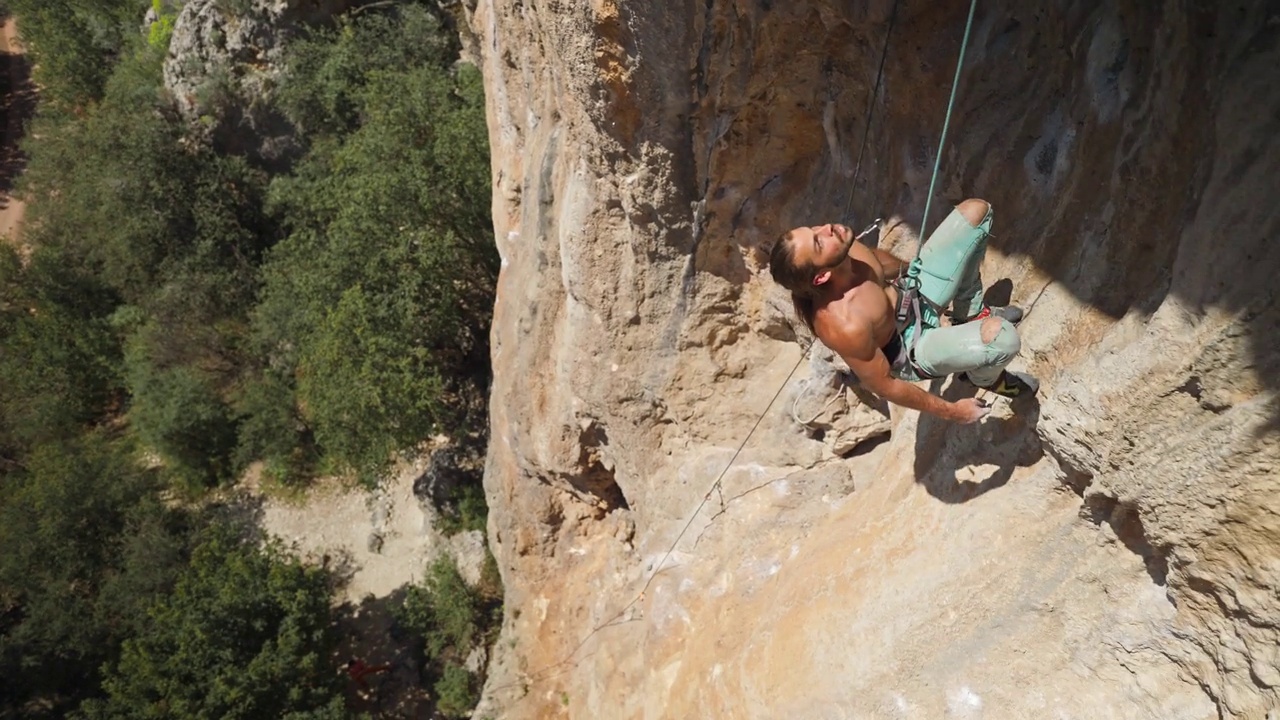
(848, 295)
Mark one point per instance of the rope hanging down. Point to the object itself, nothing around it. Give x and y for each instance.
(871, 104)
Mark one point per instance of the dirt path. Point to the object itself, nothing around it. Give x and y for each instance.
(17, 102)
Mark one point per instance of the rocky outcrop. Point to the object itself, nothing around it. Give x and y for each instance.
(224, 62)
(1111, 551)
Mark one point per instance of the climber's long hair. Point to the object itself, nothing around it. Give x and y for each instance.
(796, 277)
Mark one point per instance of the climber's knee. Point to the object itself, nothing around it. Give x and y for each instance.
(1000, 336)
(990, 328)
(974, 210)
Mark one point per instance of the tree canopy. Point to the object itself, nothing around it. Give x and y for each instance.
(245, 634)
(181, 312)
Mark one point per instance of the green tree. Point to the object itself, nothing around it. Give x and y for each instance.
(86, 549)
(74, 43)
(381, 295)
(246, 633)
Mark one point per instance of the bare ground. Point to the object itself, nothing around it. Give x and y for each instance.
(17, 105)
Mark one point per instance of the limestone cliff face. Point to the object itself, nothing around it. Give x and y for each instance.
(1111, 551)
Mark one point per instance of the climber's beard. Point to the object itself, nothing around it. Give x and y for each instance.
(847, 239)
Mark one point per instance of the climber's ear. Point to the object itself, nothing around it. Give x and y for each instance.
(822, 277)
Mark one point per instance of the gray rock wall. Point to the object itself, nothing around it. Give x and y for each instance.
(224, 62)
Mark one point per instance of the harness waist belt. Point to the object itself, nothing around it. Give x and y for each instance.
(895, 351)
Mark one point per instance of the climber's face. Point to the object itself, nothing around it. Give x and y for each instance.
(822, 247)
(805, 257)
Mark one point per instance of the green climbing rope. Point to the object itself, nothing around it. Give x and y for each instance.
(955, 84)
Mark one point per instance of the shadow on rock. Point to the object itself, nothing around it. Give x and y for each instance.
(953, 461)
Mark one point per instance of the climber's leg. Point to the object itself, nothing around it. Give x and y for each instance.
(949, 261)
(981, 349)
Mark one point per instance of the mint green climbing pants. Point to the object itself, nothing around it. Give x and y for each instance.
(947, 269)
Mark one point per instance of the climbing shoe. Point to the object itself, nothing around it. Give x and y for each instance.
(1012, 313)
(1012, 385)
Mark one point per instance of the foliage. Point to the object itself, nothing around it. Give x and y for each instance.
(58, 356)
(443, 610)
(465, 510)
(451, 618)
(169, 238)
(176, 411)
(181, 303)
(234, 8)
(162, 29)
(272, 428)
(74, 43)
(245, 634)
(87, 548)
(457, 693)
(380, 295)
(330, 71)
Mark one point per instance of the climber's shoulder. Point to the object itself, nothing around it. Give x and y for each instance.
(845, 328)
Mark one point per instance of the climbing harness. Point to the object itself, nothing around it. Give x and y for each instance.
(907, 316)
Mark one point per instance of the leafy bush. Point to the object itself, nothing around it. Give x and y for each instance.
(465, 510)
(456, 692)
(245, 634)
(177, 412)
(271, 429)
(161, 30)
(86, 549)
(451, 619)
(444, 611)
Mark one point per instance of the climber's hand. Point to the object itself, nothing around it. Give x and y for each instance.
(969, 410)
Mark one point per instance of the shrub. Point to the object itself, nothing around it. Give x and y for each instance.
(161, 30)
(456, 691)
(451, 619)
(245, 634)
